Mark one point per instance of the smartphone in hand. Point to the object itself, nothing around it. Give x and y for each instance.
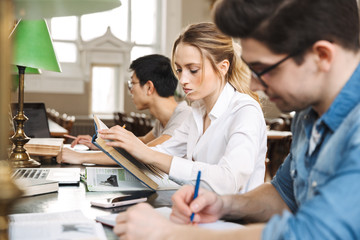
(118, 201)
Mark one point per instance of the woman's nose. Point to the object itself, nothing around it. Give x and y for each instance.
(183, 79)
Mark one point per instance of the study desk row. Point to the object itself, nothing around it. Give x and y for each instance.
(56, 130)
(73, 197)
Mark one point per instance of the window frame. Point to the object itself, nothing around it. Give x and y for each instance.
(79, 64)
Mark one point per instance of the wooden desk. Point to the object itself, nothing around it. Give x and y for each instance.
(56, 130)
(70, 198)
(277, 135)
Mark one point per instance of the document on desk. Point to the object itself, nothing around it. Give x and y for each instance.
(166, 211)
(116, 179)
(51, 226)
(111, 179)
(79, 148)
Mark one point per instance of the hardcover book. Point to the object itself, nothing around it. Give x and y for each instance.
(49, 147)
(148, 175)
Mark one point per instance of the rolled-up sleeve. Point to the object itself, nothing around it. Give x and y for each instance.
(283, 183)
(333, 213)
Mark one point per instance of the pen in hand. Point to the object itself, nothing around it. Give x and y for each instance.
(196, 193)
(69, 136)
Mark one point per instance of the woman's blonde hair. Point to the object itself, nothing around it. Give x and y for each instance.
(216, 46)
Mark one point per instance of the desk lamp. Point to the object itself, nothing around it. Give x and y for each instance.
(32, 47)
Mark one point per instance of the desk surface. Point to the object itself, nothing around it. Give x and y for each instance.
(70, 198)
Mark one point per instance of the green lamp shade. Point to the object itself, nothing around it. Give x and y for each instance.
(32, 46)
(30, 70)
(37, 9)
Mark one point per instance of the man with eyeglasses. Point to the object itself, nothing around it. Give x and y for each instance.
(304, 54)
(152, 86)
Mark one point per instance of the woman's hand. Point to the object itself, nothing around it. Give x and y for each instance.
(85, 140)
(69, 156)
(127, 140)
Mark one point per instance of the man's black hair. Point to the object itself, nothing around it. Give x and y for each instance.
(156, 68)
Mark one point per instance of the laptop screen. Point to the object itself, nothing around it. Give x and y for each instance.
(37, 124)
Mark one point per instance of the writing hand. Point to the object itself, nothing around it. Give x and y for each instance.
(207, 206)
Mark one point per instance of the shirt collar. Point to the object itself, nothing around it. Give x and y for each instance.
(222, 102)
(345, 101)
(220, 105)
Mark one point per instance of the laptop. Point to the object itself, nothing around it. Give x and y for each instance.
(65, 176)
(37, 126)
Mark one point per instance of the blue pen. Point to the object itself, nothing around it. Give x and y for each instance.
(196, 192)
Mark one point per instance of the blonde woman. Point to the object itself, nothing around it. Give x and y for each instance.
(225, 136)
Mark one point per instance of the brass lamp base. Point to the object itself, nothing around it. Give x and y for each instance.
(19, 158)
(23, 161)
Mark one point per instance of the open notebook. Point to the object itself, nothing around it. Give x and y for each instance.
(146, 174)
(110, 220)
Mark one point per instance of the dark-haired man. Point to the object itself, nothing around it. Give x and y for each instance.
(152, 87)
(304, 54)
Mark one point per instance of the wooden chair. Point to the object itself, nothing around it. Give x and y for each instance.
(279, 148)
(67, 121)
(120, 118)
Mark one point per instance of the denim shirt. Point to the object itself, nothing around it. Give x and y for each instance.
(321, 184)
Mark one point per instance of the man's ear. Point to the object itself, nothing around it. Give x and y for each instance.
(324, 52)
(150, 87)
(224, 66)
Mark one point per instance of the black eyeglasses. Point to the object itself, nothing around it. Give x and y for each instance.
(131, 84)
(257, 75)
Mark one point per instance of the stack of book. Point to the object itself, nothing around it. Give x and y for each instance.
(49, 147)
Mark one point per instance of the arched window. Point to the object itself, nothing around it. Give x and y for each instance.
(136, 22)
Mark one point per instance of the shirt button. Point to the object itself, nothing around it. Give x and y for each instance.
(314, 184)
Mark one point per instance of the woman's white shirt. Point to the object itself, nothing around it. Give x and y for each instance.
(230, 154)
